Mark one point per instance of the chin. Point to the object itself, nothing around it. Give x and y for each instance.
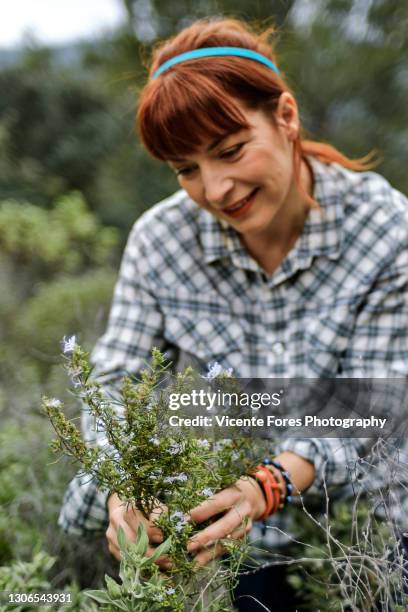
(255, 226)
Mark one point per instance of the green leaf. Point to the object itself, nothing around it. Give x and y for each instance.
(142, 540)
(161, 550)
(121, 606)
(99, 596)
(123, 543)
(127, 559)
(114, 589)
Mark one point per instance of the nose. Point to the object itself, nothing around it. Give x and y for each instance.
(216, 185)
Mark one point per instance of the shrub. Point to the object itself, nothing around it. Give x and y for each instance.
(348, 547)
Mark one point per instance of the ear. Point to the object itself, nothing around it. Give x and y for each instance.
(287, 115)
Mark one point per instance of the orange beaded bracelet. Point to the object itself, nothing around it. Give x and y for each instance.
(271, 489)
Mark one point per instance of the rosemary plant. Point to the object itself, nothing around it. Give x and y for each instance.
(152, 465)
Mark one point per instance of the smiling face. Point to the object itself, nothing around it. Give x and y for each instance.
(247, 178)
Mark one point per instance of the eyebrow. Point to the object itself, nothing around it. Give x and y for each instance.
(212, 146)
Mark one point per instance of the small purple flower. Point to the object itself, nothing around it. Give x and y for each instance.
(53, 402)
(180, 519)
(178, 478)
(203, 443)
(75, 374)
(68, 344)
(179, 526)
(207, 492)
(215, 369)
(89, 392)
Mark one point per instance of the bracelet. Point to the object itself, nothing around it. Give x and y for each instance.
(270, 488)
(286, 477)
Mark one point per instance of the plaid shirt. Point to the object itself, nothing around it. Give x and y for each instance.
(336, 306)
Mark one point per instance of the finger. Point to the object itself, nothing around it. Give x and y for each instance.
(205, 556)
(220, 502)
(114, 551)
(231, 521)
(164, 561)
(155, 534)
(112, 534)
(237, 534)
(214, 550)
(133, 517)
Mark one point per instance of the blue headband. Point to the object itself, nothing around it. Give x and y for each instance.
(216, 52)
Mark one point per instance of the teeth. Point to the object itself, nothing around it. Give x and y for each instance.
(237, 206)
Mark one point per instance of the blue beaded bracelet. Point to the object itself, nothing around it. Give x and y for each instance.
(286, 477)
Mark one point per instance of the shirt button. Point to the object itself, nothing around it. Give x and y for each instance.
(278, 348)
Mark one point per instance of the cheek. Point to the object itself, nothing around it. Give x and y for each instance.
(279, 172)
(256, 169)
(193, 190)
(266, 166)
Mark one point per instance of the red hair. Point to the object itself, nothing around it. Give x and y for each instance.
(196, 100)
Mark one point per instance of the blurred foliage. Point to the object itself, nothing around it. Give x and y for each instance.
(160, 19)
(57, 272)
(65, 128)
(33, 574)
(55, 130)
(31, 577)
(29, 490)
(68, 304)
(67, 117)
(347, 63)
(68, 238)
(32, 484)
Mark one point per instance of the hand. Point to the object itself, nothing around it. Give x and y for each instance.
(242, 503)
(122, 514)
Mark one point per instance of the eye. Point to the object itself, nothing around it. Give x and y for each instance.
(232, 150)
(184, 171)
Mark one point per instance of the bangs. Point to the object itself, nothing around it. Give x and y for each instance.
(181, 113)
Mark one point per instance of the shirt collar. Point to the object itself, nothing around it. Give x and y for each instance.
(322, 233)
(219, 240)
(323, 230)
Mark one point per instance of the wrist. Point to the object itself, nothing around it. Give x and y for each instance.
(283, 477)
(259, 499)
(271, 489)
(301, 470)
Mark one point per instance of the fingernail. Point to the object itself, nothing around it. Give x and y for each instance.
(196, 567)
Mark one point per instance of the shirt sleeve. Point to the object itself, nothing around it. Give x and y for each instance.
(135, 326)
(84, 508)
(378, 348)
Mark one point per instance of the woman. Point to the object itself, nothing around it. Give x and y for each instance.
(277, 259)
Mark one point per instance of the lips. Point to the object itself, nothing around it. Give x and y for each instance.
(242, 206)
